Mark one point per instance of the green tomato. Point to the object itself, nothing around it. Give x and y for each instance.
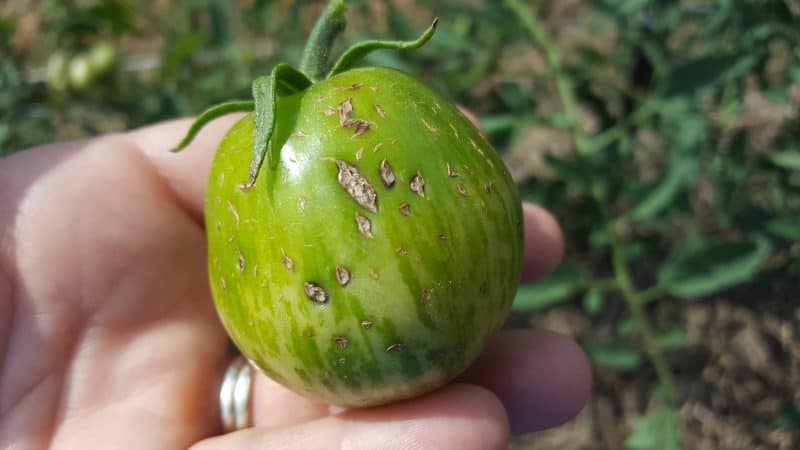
(79, 71)
(379, 257)
(379, 247)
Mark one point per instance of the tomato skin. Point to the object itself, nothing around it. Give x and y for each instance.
(378, 258)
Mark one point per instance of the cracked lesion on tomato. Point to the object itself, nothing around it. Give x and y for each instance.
(342, 276)
(364, 226)
(417, 185)
(316, 293)
(357, 186)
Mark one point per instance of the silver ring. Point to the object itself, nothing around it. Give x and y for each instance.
(234, 395)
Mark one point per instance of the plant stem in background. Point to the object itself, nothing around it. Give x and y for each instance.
(636, 303)
(566, 90)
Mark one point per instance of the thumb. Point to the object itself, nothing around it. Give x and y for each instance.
(461, 416)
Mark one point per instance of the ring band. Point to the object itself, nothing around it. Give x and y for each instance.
(234, 395)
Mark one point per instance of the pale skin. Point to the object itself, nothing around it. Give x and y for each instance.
(109, 338)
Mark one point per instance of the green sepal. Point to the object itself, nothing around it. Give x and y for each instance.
(315, 59)
(282, 81)
(358, 51)
(211, 114)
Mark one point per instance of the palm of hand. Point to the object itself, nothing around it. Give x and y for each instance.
(108, 335)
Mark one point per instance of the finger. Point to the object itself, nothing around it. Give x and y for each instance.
(462, 416)
(185, 172)
(542, 378)
(276, 406)
(544, 243)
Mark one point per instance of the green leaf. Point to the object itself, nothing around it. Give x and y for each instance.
(284, 80)
(784, 227)
(615, 356)
(693, 76)
(556, 288)
(316, 54)
(657, 430)
(711, 267)
(789, 417)
(209, 115)
(789, 160)
(593, 302)
(357, 52)
(682, 172)
(626, 326)
(672, 339)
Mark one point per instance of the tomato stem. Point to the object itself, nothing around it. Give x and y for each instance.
(315, 61)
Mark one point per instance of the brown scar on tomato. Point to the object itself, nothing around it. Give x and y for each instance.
(396, 347)
(417, 185)
(366, 324)
(241, 263)
(361, 126)
(345, 111)
(233, 211)
(287, 262)
(405, 209)
(341, 341)
(357, 186)
(377, 147)
(452, 173)
(455, 130)
(461, 190)
(380, 111)
(426, 293)
(477, 149)
(342, 276)
(315, 293)
(430, 127)
(387, 174)
(364, 226)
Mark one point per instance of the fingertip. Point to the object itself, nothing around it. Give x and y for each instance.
(544, 243)
(463, 416)
(542, 378)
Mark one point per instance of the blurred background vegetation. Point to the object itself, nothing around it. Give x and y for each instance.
(664, 135)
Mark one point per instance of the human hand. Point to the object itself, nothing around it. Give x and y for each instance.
(109, 338)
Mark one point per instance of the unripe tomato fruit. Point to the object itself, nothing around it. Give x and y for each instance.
(376, 251)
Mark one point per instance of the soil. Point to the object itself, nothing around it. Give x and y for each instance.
(736, 376)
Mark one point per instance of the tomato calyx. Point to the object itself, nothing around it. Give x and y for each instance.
(285, 80)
